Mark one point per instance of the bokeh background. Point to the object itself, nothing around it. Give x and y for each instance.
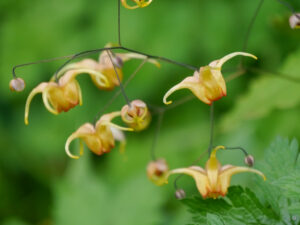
(40, 185)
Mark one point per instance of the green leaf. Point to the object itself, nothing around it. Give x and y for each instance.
(239, 207)
(266, 93)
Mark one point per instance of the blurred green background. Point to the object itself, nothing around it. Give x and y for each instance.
(40, 185)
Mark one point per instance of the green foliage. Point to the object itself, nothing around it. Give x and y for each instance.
(266, 93)
(275, 201)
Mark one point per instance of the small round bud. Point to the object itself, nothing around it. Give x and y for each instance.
(295, 21)
(249, 160)
(137, 116)
(180, 194)
(157, 171)
(17, 84)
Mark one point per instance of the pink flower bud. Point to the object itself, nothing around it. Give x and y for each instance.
(17, 84)
(249, 160)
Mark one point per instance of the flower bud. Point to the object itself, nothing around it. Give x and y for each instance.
(249, 160)
(17, 84)
(136, 115)
(180, 194)
(295, 21)
(157, 171)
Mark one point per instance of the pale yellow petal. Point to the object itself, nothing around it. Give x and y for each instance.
(228, 171)
(47, 104)
(199, 176)
(231, 55)
(82, 131)
(99, 78)
(41, 88)
(124, 3)
(191, 83)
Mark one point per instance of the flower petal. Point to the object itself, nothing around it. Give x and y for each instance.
(192, 83)
(227, 171)
(220, 62)
(199, 176)
(105, 120)
(99, 79)
(48, 106)
(41, 88)
(124, 3)
(83, 132)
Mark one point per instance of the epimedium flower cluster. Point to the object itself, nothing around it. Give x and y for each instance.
(63, 93)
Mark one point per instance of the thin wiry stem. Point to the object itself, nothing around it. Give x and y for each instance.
(93, 51)
(38, 62)
(238, 148)
(119, 22)
(249, 29)
(120, 82)
(287, 5)
(211, 139)
(119, 91)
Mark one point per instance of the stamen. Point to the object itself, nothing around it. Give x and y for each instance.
(249, 29)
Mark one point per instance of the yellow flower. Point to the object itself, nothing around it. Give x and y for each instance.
(207, 84)
(100, 138)
(139, 4)
(157, 172)
(62, 95)
(136, 116)
(105, 67)
(295, 21)
(214, 180)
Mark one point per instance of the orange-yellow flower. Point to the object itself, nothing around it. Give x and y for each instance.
(157, 171)
(100, 138)
(105, 67)
(62, 95)
(139, 4)
(211, 182)
(214, 180)
(207, 84)
(137, 115)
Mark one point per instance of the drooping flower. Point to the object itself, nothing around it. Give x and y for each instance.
(62, 95)
(17, 84)
(100, 138)
(295, 21)
(208, 83)
(157, 172)
(105, 66)
(214, 180)
(138, 4)
(137, 115)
